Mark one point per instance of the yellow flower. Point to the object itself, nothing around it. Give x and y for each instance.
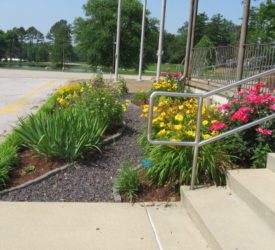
(170, 125)
(161, 132)
(162, 124)
(178, 127)
(63, 102)
(213, 121)
(190, 133)
(179, 117)
(180, 107)
(204, 122)
(206, 136)
(154, 121)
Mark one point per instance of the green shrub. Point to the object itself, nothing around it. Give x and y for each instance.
(122, 86)
(8, 157)
(127, 181)
(66, 134)
(172, 165)
(105, 104)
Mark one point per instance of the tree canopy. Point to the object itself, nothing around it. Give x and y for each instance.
(95, 35)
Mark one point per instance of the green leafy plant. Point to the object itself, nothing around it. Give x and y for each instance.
(122, 86)
(29, 169)
(127, 180)
(66, 134)
(8, 157)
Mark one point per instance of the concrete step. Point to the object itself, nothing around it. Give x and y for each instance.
(174, 229)
(270, 164)
(257, 188)
(226, 221)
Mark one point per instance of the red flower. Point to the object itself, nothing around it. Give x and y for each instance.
(176, 74)
(258, 86)
(264, 131)
(216, 126)
(224, 106)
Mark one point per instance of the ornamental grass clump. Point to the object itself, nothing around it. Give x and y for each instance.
(66, 134)
(247, 106)
(127, 180)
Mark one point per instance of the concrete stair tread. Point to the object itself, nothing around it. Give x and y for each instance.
(175, 229)
(259, 182)
(271, 161)
(226, 221)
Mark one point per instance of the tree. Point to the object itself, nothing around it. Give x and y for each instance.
(262, 23)
(13, 45)
(61, 42)
(95, 35)
(221, 31)
(3, 44)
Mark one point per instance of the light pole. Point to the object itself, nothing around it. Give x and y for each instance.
(162, 24)
(246, 9)
(142, 41)
(117, 39)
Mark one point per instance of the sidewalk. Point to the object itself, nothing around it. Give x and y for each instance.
(77, 226)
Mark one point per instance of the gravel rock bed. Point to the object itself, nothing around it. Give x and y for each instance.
(92, 179)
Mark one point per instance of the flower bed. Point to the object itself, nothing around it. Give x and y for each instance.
(174, 119)
(67, 127)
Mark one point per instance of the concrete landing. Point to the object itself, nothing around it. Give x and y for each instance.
(28, 226)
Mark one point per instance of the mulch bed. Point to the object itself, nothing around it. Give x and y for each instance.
(90, 180)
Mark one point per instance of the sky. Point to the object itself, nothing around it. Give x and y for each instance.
(42, 14)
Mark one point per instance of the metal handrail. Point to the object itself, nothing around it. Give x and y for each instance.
(198, 143)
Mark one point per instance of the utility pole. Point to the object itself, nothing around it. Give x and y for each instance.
(117, 39)
(246, 10)
(161, 32)
(142, 41)
(189, 40)
(195, 13)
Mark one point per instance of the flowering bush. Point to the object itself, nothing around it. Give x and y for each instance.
(249, 105)
(175, 120)
(168, 82)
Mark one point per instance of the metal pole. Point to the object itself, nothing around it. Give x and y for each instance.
(195, 12)
(162, 24)
(189, 37)
(197, 141)
(246, 8)
(142, 41)
(117, 39)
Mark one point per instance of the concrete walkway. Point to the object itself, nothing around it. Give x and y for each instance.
(77, 226)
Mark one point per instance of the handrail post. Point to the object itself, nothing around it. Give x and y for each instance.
(197, 140)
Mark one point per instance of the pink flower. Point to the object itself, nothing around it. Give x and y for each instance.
(242, 114)
(264, 131)
(216, 126)
(224, 106)
(272, 107)
(176, 74)
(241, 93)
(234, 100)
